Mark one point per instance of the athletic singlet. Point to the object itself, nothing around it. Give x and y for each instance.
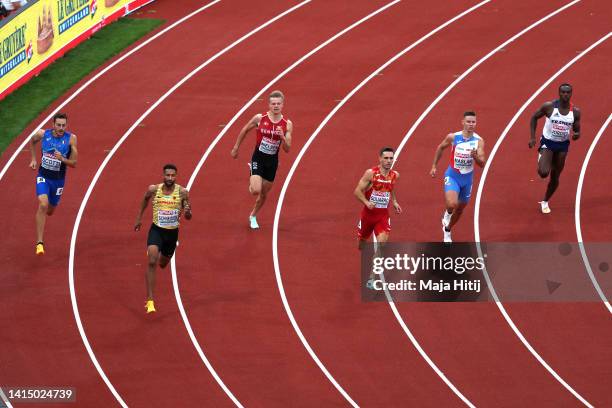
(268, 134)
(167, 208)
(557, 128)
(380, 192)
(51, 167)
(461, 159)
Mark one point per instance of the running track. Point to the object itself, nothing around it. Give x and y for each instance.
(226, 272)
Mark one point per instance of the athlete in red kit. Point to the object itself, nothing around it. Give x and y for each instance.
(375, 191)
(273, 131)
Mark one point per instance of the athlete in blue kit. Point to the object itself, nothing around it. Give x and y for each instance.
(562, 119)
(467, 148)
(59, 149)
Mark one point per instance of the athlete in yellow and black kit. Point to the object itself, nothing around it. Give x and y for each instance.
(169, 201)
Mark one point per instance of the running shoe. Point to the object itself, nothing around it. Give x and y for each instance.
(446, 217)
(253, 222)
(545, 207)
(40, 248)
(447, 235)
(150, 306)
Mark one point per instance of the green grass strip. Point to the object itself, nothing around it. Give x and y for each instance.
(21, 107)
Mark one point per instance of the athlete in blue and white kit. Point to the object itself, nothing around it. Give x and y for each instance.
(467, 148)
(59, 149)
(561, 118)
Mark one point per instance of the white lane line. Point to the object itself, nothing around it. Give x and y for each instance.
(417, 345)
(194, 340)
(4, 399)
(227, 127)
(585, 259)
(94, 78)
(477, 215)
(292, 171)
(98, 75)
(77, 223)
(443, 95)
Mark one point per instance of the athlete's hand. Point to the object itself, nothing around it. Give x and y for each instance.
(58, 156)
(398, 208)
(576, 136)
(33, 164)
(433, 171)
(474, 153)
(137, 225)
(234, 152)
(188, 214)
(370, 205)
(532, 142)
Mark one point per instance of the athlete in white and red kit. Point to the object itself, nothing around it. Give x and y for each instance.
(375, 191)
(273, 131)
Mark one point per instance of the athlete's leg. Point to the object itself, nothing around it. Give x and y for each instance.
(558, 164)
(41, 216)
(255, 185)
(261, 198)
(50, 209)
(150, 278)
(545, 162)
(451, 191)
(465, 192)
(451, 200)
(381, 241)
(163, 261)
(457, 213)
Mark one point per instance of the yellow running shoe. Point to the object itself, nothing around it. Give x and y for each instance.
(40, 249)
(150, 306)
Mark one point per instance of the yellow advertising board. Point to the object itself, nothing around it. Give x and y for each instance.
(46, 29)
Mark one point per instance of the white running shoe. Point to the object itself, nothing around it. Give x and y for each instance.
(545, 207)
(446, 217)
(447, 235)
(253, 222)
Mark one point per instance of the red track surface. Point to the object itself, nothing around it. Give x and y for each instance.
(225, 271)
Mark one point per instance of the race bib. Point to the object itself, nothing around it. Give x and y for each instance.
(269, 146)
(380, 199)
(50, 162)
(560, 132)
(168, 218)
(463, 161)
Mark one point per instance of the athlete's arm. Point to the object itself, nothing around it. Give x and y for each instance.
(576, 126)
(74, 153)
(36, 137)
(447, 141)
(145, 202)
(186, 203)
(398, 208)
(287, 137)
(544, 110)
(362, 187)
(478, 154)
(253, 123)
